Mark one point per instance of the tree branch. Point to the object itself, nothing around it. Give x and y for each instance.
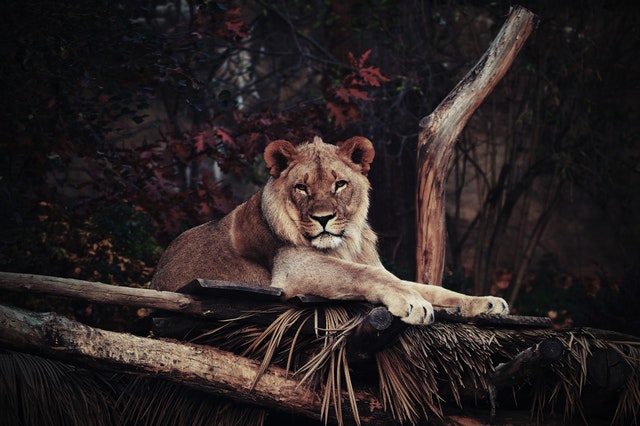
(440, 130)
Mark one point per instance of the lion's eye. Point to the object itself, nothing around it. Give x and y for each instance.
(301, 187)
(340, 184)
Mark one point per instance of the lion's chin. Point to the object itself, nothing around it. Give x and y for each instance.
(326, 242)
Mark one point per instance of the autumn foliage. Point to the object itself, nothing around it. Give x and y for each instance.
(124, 149)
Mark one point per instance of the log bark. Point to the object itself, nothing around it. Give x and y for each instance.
(438, 134)
(104, 293)
(199, 367)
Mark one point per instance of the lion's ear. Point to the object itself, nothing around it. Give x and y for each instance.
(358, 150)
(278, 155)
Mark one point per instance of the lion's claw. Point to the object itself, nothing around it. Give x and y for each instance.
(487, 305)
(410, 307)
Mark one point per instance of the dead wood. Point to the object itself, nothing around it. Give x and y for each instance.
(103, 293)
(440, 130)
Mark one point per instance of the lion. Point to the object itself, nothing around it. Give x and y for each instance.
(306, 232)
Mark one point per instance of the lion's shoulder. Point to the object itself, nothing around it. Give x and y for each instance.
(250, 233)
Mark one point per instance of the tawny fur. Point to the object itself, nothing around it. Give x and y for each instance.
(306, 232)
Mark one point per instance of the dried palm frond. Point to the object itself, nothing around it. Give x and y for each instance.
(41, 391)
(35, 390)
(427, 366)
(319, 359)
(146, 401)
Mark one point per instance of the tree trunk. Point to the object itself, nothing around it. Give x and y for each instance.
(438, 134)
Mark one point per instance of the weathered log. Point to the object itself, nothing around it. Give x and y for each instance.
(199, 367)
(377, 331)
(104, 293)
(438, 134)
(226, 305)
(528, 362)
(214, 300)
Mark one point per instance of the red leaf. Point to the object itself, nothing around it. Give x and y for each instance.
(234, 24)
(181, 151)
(364, 58)
(372, 76)
(358, 94)
(353, 113)
(359, 63)
(352, 60)
(200, 145)
(343, 94)
(337, 114)
(346, 94)
(225, 137)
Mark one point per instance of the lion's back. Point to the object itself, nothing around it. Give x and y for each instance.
(205, 251)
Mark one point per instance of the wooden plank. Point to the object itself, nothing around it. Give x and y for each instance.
(206, 288)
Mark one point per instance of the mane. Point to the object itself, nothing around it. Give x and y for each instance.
(277, 218)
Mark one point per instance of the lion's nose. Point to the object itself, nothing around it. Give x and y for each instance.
(323, 220)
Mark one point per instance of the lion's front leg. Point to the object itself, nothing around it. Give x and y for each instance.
(469, 305)
(304, 271)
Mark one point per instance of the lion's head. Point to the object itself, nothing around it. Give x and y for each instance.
(318, 194)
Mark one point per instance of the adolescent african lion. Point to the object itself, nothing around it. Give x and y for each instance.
(306, 232)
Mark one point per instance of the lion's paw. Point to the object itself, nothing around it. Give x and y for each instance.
(409, 306)
(487, 305)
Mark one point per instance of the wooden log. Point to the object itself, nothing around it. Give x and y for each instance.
(224, 300)
(104, 293)
(440, 130)
(500, 321)
(377, 331)
(234, 299)
(528, 362)
(196, 366)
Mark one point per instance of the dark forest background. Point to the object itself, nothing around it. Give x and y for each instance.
(123, 123)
